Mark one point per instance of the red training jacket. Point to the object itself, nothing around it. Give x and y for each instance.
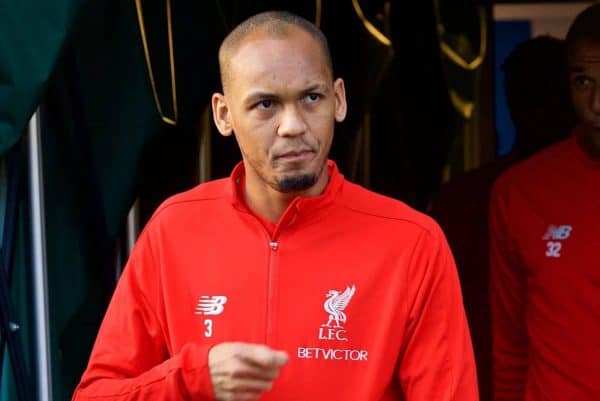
(359, 289)
(545, 277)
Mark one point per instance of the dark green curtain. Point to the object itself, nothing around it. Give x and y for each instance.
(32, 34)
(98, 117)
(84, 63)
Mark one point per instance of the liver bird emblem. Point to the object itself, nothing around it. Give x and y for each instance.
(335, 305)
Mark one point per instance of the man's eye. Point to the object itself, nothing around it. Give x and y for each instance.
(312, 97)
(265, 104)
(581, 82)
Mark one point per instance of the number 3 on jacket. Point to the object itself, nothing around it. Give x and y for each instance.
(208, 324)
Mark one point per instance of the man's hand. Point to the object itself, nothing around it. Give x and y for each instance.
(241, 371)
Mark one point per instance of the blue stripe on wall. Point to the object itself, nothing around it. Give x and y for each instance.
(507, 34)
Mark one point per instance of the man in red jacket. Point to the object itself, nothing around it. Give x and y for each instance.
(283, 282)
(545, 270)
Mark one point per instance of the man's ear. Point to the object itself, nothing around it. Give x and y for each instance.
(340, 100)
(221, 114)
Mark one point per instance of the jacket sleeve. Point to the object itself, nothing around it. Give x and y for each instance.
(436, 359)
(507, 300)
(131, 359)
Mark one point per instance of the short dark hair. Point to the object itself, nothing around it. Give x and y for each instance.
(537, 93)
(585, 27)
(275, 23)
(530, 65)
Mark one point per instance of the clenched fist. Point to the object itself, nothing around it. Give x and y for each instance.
(241, 371)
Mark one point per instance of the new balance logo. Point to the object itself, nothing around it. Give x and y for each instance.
(554, 234)
(557, 232)
(211, 305)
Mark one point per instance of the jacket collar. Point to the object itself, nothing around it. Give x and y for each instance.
(304, 205)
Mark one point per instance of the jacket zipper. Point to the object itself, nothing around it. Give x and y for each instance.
(273, 271)
(271, 289)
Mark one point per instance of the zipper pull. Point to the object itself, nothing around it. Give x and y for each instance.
(274, 245)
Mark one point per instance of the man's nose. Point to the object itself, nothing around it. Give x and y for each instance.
(292, 122)
(596, 99)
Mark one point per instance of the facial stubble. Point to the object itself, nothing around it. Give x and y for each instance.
(296, 183)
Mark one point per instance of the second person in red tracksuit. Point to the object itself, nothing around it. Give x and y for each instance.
(545, 269)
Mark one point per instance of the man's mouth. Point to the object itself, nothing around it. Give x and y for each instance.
(295, 155)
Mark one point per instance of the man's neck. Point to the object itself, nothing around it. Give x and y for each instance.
(270, 203)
